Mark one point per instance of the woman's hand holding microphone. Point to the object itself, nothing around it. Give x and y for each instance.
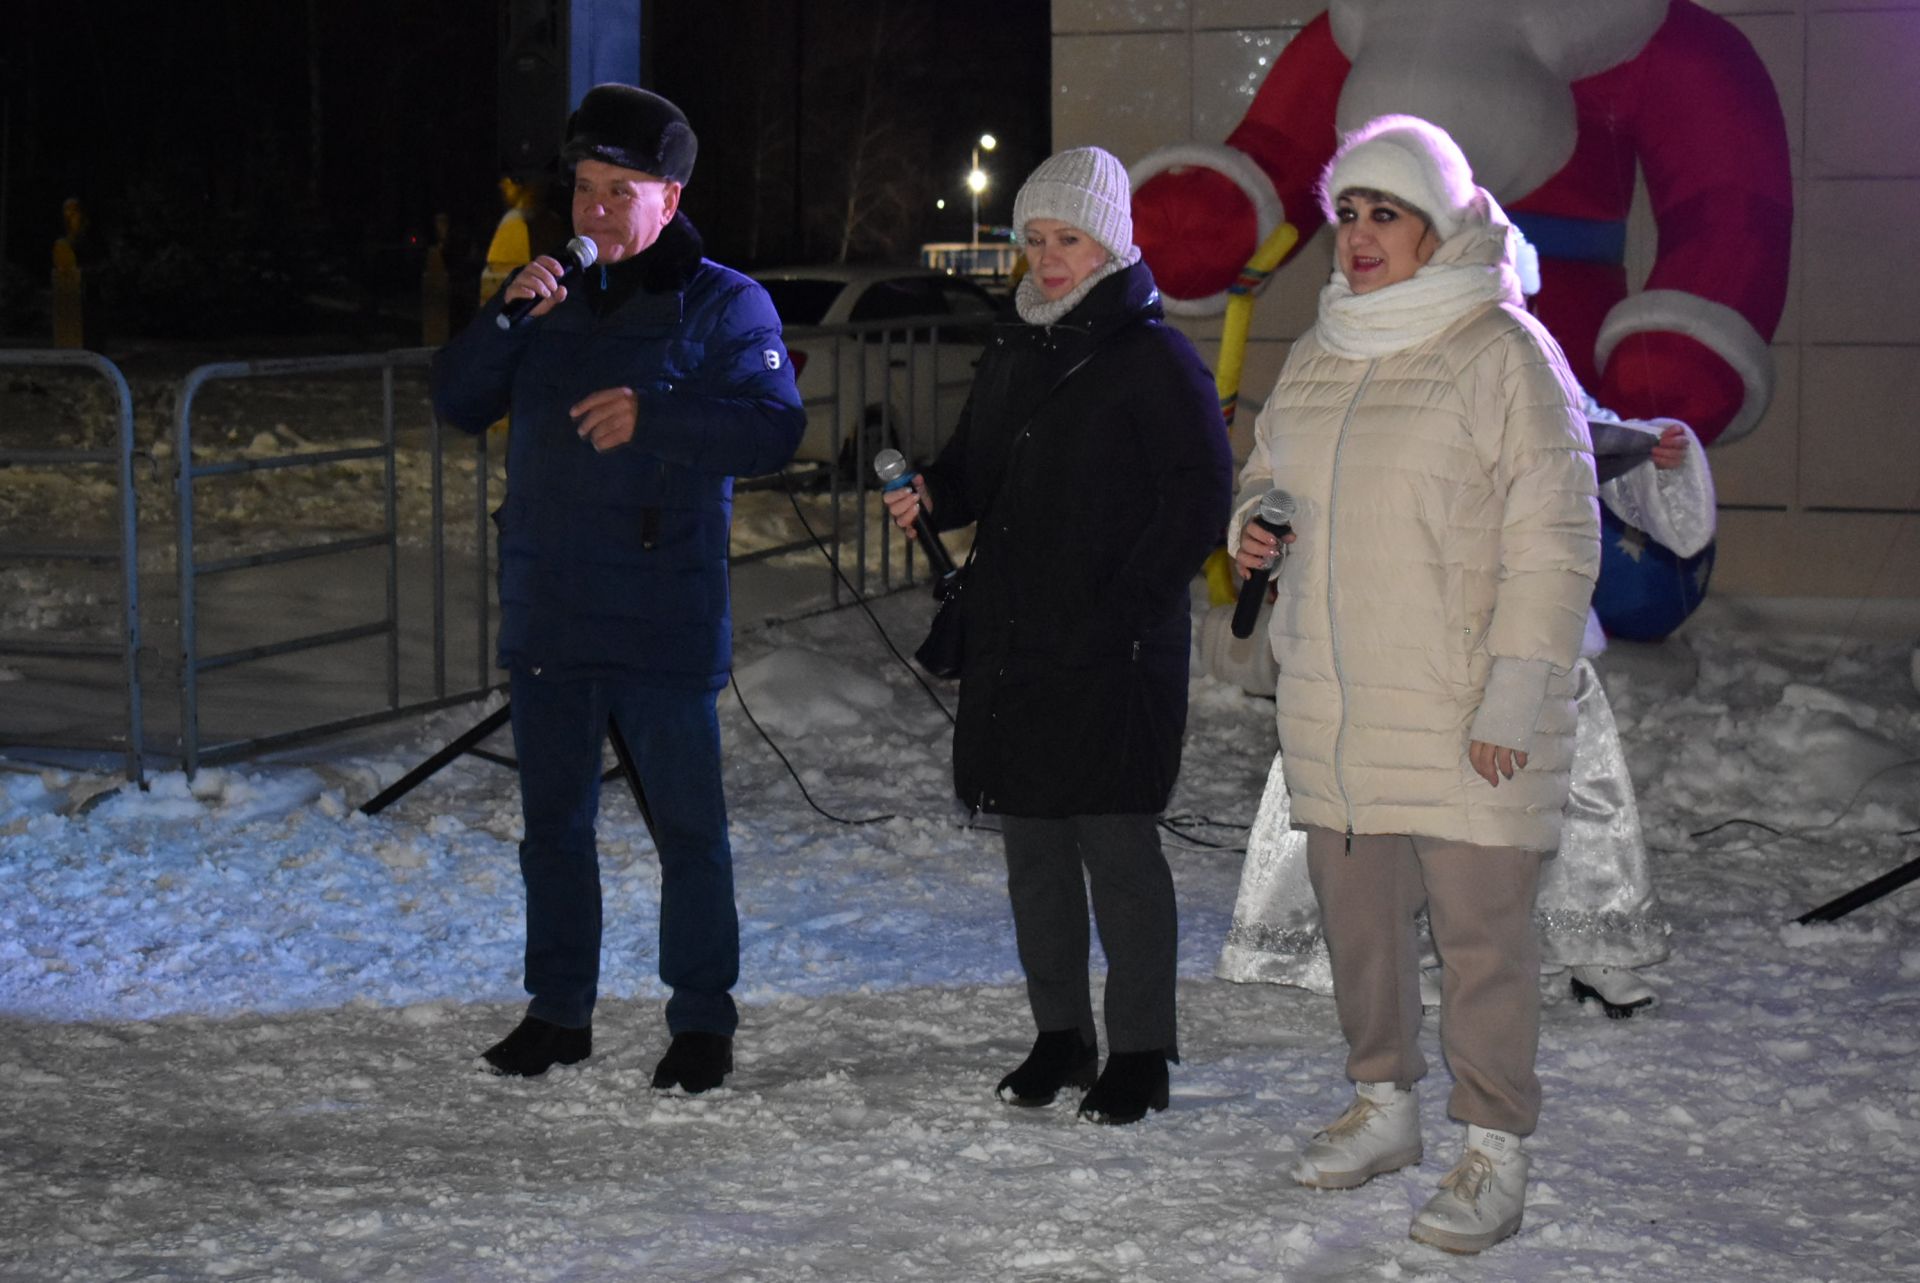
(904, 503)
(1258, 548)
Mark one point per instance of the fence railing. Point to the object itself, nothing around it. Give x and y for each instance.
(886, 384)
(124, 554)
(195, 571)
(894, 384)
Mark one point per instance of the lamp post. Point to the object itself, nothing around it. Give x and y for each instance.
(977, 183)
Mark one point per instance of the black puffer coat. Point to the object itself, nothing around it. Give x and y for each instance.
(1092, 454)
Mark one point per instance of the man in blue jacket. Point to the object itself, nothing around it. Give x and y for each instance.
(637, 390)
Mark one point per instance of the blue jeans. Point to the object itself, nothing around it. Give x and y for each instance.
(674, 735)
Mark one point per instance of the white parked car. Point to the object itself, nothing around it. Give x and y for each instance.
(869, 381)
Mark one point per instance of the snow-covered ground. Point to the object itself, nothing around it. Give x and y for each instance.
(238, 1018)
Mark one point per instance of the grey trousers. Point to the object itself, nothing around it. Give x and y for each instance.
(1479, 902)
(1133, 908)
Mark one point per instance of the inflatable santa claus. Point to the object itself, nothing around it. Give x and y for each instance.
(1556, 103)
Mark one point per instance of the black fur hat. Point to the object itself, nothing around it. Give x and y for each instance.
(633, 129)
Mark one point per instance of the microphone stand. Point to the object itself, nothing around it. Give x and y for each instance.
(469, 742)
(1866, 893)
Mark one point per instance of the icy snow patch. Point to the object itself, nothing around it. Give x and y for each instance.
(793, 691)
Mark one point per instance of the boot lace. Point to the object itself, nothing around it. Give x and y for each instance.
(1469, 1176)
(1355, 1120)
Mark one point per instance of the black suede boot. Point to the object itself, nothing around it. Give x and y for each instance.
(1132, 1083)
(1058, 1059)
(695, 1062)
(536, 1046)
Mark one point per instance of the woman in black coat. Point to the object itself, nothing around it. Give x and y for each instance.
(1093, 459)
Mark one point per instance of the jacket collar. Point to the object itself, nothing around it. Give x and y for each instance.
(670, 262)
(649, 286)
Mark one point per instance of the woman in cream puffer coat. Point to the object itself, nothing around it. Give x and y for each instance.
(1437, 590)
(1430, 611)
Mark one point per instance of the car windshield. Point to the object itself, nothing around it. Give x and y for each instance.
(898, 298)
(801, 301)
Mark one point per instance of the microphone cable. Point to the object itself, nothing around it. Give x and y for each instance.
(1779, 833)
(859, 598)
(1173, 823)
(987, 826)
(837, 819)
(793, 499)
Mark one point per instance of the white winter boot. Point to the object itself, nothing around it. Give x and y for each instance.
(1481, 1199)
(1380, 1132)
(1618, 989)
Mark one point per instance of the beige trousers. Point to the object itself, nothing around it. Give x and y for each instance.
(1479, 902)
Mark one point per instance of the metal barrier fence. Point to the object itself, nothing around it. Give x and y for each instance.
(888, 384)
(195, 572)
(895, 384)
(126, 647)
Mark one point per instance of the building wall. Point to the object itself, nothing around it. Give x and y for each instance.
(1823, 498)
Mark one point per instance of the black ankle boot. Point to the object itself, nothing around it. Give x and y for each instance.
(536, 1046)
(1132, 1083)
(1058, 1059)
(695, 1062)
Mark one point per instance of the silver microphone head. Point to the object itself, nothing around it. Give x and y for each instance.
(583, 252)
(889, 465)
(1277, 508)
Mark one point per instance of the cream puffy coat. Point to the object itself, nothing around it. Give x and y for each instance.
(1448, 541)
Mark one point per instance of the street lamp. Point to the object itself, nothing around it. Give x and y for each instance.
(977, 181)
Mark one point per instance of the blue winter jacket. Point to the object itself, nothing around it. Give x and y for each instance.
(615, 563)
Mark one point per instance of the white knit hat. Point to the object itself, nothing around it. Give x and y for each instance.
(1407, 158)
(1086, 188)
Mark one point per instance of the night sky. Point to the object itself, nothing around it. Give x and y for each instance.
(311, 142)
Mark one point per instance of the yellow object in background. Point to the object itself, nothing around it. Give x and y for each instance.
(1233, 331)
(526, 230)
(69, 297)
(1223, 585)
(1223, 580)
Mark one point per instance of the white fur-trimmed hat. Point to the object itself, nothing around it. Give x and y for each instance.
(1084, 187)
(1410, 159)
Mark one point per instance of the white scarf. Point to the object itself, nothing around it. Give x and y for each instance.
(1473, 267)
(1035, 309)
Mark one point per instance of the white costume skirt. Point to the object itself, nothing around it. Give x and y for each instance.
(1596, 904)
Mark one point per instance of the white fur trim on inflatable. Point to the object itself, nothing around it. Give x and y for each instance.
(1730, 335)
(1236, 166)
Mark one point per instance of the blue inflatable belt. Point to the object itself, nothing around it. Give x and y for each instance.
(1645, 591)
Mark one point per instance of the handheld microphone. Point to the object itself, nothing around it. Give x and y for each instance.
(891, 467)
(579, 254)
(1276, 516)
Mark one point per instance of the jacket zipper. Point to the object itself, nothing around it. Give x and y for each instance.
(1333, 622)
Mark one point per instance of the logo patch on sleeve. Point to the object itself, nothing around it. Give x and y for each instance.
(772, 358)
